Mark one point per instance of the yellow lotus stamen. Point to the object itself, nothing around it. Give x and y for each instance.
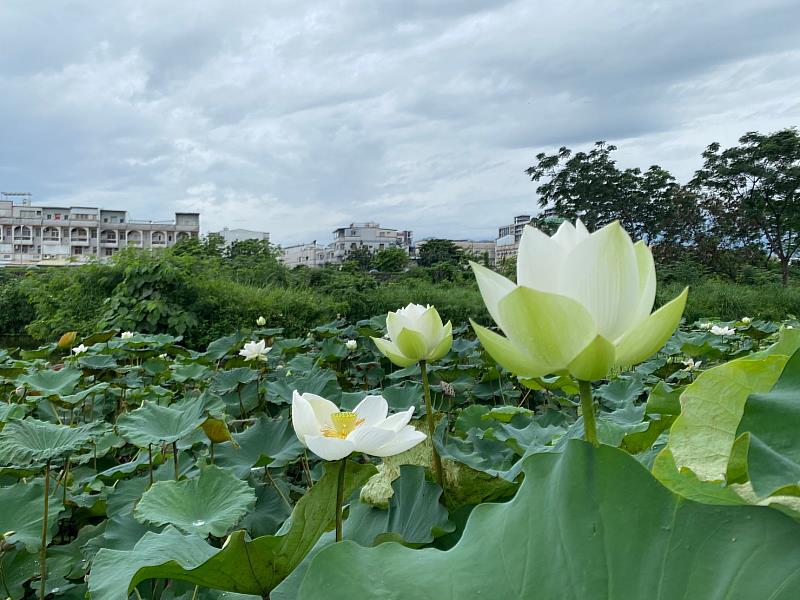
(343, 424)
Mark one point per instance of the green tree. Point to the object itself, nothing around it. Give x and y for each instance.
(590, 186)
(358, 259)
(439, 251)
(751, 192)
(390, 260)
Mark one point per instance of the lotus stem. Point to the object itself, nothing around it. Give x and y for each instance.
(43, 549)
(340, 498)
(587, 409)
(175, 460)
(150, 463)
(66, 478)
(436, 459)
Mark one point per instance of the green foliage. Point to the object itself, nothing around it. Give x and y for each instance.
(589, 185)
(390, 260)
(108, 421)
(591, 523)
(438, 251)
(211, 503)
(242, 566)
(752, 192)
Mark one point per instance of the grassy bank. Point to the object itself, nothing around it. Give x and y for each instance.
(202, 299)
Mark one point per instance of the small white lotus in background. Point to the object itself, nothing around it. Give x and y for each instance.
(691, 365)
(79, 349)
(415, 333)
(717, 330)
(351, 345)
(255, 350)
(333, 434)
(746, 320)
(705, 326)
(126, 335)
(261, 321)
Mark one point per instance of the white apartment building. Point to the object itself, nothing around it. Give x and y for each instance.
(370, 235)
(56, 235)
(305, 255)
(240, 235)
(508, 238)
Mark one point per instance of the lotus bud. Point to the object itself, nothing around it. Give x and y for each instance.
(415, 333)
(581, 304)
(66, 340)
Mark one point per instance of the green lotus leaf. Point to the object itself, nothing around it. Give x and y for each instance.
(702, 437)
(771, 423)
(22, 510)
(241, 566)
(590, 524)
(154, 424)
(97, 361)
(53, 383)
(414, 516)
(211, 503)
(268, 442)
(316, 381)
(229, 381)
(26, 441)
(190, 371)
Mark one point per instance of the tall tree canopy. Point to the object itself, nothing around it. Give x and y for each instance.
(590, 186)
(751, 192)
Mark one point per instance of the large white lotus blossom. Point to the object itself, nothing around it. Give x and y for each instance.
(255, 350)
(717, 330)
(415, 333)
(581, 305)
(126, 335)
(79, 349)
(332, 434)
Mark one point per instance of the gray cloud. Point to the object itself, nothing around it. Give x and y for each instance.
(299, 117)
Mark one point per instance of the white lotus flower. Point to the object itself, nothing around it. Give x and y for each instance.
(581, 305)
(79, 349)
(705, 326)
(717, 330)
(126, 335)
(255, 350)
(691, 365)
(746, 320)
(332, 434)
(415, 333)
(261, 321)
(351, 345)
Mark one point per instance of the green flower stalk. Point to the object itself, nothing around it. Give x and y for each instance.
(417, 335)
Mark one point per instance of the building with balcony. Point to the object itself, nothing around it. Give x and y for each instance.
(55, 235)
(370, 235)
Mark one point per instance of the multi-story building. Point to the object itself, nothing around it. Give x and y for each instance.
(370, 235)
(240, 235)
(305, 255)
(508, 238)
(61, 235)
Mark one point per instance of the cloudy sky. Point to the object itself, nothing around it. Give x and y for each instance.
(298, 117)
